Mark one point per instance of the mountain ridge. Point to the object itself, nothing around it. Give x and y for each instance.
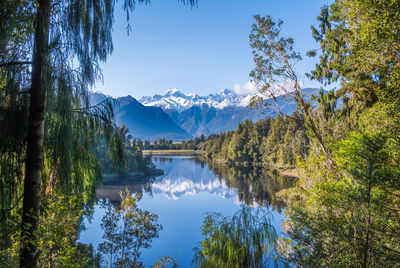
(216, 112)
(176, 100)
(179, 116)
(144, 122)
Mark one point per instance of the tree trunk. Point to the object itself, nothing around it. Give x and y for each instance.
(34, 149)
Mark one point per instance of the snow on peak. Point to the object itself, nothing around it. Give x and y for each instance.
(172, 91)
(174, 99)
(226, 91)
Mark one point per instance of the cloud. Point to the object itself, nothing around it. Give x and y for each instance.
(249, 88)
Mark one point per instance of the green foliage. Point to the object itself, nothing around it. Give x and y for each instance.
(351, 221)
(74, 37)
(245, 240)
(273, 56)
(344, 210)
(164, 262)
(56, 237)
(123, 242)
(132, 160)
(359, 42)
(57, 234)
(14, 83)
(273, 142)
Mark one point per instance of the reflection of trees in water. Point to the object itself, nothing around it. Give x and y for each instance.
(254, 184)
(162, 159)
(169, 159)
(111, 189)
(127, 230)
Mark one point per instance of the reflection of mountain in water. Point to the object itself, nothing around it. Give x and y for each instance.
(184, 176)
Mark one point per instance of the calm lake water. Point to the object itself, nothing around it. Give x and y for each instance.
(182, 196)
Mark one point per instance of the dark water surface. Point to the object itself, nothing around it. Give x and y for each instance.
(188, 189)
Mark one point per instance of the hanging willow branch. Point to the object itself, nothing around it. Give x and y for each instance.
(13, 63)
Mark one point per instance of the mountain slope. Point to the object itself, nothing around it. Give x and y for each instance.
(207, 120)
(143, 121)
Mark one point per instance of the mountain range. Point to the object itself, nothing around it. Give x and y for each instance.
(177, 101)
(178, 116)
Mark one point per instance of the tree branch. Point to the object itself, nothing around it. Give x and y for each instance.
(12, 63)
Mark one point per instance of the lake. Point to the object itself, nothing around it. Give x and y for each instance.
(181, 197)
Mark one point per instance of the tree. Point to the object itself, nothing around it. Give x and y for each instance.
(245, 240)
(349, 222)
(35, 137)
(64, 34)
(344, 208)
(123, 243)
(359, 47)
(275, 58)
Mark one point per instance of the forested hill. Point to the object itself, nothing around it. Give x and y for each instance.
(273, 142)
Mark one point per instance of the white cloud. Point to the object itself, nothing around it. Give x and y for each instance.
(251, 88)
(247, 89)
(280, 89)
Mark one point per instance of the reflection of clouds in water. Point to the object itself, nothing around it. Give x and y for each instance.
(185, 179)
(174, 188)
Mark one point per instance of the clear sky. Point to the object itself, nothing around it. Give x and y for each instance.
(198, 50)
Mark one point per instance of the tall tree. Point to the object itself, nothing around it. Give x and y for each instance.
(34, 148)
(64, 32)
(275, 57)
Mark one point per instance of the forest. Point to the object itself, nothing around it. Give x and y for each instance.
(55, 145)
(270, 142)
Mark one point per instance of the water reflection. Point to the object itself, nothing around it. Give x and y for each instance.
(189, 188)
(255, 185)
(192, 175)
(189, 178)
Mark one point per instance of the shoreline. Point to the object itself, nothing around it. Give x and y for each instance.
(170, 152)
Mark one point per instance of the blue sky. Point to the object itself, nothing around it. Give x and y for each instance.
(198, 50)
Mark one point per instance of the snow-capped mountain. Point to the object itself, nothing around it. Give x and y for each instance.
(176, 100)
(176, 115)
(215, 113)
